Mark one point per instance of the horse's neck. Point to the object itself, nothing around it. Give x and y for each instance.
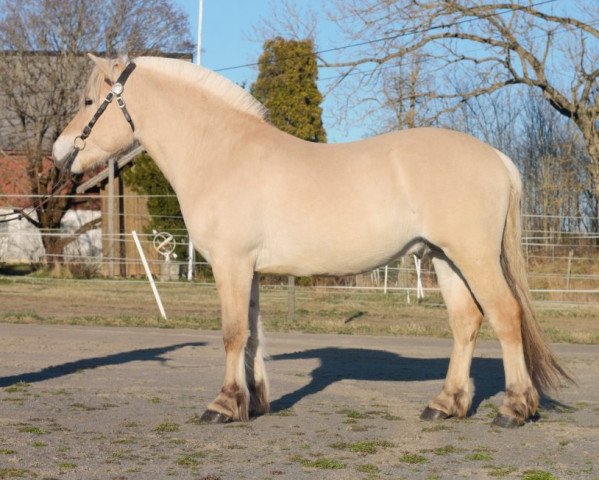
(186, 135)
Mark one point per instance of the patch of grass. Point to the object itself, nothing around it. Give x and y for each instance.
(131, 424)
(39, 444)
(354, 414)
(413, 458)
(368, 468)
(67, 466)
(445, 450)
(34, 430)
(167, 427)
(7, 451)
(479, 456)
(191, 459)
(287, 412)
(154, 400)
(499, 471)
(322, 463)
(18, 387)
(538, 475)
(391, 418)
(369, 446)
(13, 473)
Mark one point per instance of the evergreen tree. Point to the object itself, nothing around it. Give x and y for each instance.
(286, 86)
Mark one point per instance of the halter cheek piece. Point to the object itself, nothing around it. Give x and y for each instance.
(115, 92)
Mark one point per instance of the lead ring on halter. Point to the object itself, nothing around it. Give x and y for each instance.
(116, 91)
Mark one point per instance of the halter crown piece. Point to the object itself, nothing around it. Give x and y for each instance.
(115, 92)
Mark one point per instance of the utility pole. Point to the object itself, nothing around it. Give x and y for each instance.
(200, 17)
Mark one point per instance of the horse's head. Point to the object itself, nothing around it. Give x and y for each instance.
(113, 130)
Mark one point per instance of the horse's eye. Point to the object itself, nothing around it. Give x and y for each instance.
(88, 102)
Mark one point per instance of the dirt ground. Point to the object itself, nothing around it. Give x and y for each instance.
(122, 403)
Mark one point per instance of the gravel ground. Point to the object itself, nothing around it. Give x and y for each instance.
(123, 403)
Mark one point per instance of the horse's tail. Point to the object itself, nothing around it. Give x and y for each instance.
(543, 367)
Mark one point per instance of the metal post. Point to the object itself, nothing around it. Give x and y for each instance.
(200, 18)
(386, 278)
(191, 257)
(291, 298)
(110, 217)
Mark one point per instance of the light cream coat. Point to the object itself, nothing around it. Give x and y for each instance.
(255, 199)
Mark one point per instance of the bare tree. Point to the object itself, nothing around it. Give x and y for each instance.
(490, 44)
(43, 69)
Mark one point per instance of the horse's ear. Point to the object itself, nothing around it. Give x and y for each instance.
(110, 68)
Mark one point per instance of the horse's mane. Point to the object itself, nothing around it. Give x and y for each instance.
(214, 83)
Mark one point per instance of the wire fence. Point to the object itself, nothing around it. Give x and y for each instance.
(563, 263)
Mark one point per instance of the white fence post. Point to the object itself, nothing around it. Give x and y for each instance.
(148, 274)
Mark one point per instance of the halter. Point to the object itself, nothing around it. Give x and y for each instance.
(115, 92)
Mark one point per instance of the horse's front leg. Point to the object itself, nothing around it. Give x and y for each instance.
(234, 285)
(254, 356)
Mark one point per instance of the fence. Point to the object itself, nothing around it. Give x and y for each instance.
(563, 265)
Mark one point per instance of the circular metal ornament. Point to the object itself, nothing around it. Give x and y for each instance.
(117, 89)
(164, 243)
(79, 143)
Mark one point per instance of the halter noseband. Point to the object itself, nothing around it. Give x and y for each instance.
(115, 92)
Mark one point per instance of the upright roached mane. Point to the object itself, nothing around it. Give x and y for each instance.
(255, 200)
(208, 80)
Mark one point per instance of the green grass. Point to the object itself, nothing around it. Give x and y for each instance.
(479, 456)
(7, 451)
(499, 471)
(167, 427)
(354, 414)
(67, 466)
(368, 468)
(34, 430)
(13, 473)
(445, 450)
(413, 458)
(365, 446)
(538, 475)
(324, 463)
(18, 387)
(126, 303)
(191, 459)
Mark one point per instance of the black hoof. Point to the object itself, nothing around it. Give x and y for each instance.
(433, 414)
(506, 421)
(210, 416)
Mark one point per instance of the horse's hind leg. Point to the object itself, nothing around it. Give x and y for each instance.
(254, 356)
(465, 318)
(487, 282)
(234, 284)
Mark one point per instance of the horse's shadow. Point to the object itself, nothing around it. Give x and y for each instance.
(378, 365)
(55, 371)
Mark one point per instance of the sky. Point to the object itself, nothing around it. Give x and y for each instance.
(227, 41)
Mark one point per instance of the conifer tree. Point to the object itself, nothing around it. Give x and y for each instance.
(286, 86)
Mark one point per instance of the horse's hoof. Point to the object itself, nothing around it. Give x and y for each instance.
(507, 421)
(210, 416)
(433, 414)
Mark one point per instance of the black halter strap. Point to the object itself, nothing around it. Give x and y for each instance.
(115, 92)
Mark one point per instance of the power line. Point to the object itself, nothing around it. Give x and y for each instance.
(403, 33)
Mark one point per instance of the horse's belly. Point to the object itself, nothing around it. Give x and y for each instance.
(333, 252)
